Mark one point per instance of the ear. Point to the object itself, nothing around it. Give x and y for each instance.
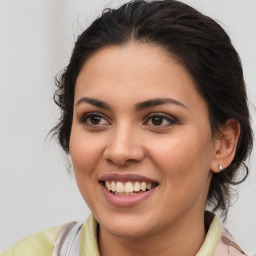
(225, 145)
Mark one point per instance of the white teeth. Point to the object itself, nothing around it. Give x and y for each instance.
(143, 186)
(113, 186)
(136, 186)
(108, 185)
(128, 187)
(119, 187)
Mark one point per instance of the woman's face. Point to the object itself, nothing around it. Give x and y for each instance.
(141, 142)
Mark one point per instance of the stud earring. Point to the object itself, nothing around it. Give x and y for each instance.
(220, 167)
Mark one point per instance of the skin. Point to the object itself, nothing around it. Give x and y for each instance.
(178, 151)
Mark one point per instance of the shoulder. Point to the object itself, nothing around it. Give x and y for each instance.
(40, 244)
(218, 241)
(227, 246)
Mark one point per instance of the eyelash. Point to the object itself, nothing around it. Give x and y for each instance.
(163, 117)
(170, 120)
(90, 115)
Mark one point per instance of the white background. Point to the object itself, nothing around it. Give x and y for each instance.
(36, 39)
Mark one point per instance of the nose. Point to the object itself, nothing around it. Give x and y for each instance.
(124, 147)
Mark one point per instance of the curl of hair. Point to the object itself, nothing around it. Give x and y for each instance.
(197, 42)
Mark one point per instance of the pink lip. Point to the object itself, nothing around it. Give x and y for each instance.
(125, 178)
(126, 201)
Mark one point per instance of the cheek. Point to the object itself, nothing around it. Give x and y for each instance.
(85, 152)
(185, 158)
(184, 166)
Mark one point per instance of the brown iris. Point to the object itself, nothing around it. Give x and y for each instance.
(95, 120)
(157, 120)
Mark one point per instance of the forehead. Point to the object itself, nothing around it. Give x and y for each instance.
(135, 70)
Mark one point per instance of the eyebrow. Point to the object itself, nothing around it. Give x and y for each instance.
(139, 106)
(94, 102)
(158, 101)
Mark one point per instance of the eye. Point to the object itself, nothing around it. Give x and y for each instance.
(94, 119)
(160, 120)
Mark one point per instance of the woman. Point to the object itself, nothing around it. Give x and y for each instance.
(155, 118)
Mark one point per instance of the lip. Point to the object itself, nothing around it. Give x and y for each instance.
(125, 178)
(126, 201)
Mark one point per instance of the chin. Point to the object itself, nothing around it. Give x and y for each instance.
(128, 227)
(128, 232)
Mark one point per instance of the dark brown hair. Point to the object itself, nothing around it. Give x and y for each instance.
(199, 43)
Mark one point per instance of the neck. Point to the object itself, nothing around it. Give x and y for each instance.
(184, 238)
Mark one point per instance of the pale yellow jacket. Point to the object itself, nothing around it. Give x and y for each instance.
(217, 242)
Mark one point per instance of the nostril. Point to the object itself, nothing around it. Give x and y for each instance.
(121, 161)
(122, 154)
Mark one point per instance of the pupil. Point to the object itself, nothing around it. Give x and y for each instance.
(157, 120)
(95, 119)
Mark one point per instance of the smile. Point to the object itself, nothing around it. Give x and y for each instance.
(129, 188)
